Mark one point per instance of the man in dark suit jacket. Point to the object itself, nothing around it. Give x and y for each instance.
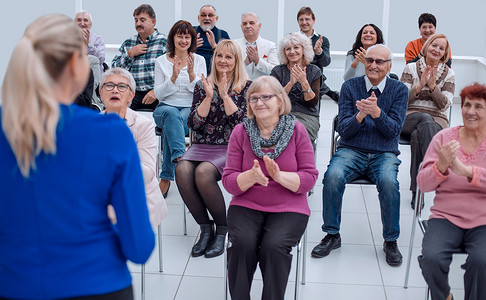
(322, 58)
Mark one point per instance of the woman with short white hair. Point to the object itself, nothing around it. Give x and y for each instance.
(117, 89)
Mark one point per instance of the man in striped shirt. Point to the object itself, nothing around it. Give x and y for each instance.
(138, 54)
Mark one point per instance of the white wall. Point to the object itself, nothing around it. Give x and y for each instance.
(461, 21)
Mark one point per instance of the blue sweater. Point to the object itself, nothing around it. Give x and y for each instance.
(56, 240)
(372, 135)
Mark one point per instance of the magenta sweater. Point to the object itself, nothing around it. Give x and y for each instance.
(297, 157)
(458, 199)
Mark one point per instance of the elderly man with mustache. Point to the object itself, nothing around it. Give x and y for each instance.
(208, 35)
(138, 54)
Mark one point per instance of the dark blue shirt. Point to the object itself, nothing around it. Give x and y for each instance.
(205, 50)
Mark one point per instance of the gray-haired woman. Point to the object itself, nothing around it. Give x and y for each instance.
(300, 79)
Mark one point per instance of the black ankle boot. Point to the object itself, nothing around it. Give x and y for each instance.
(217, 245)
(205, 237)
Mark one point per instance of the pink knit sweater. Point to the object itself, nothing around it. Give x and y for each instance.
(297, 157)
(460, 200)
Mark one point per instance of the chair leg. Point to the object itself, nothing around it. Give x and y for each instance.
(161, 261)
(184, 221)
(143, 282)
(304, 256)
(418, 207)
(297, 270)
(410, 249)
(225, 273)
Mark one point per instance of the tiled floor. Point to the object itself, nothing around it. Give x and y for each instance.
(355, 271)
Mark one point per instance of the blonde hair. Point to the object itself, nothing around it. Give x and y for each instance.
(272, 85)
(429, 41)
(240, 77)
(30, 111)
(295, 38)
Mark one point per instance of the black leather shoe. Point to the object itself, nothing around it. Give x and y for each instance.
(205, 237)
(166, 192)
(392, 254)
(327, 244)
(216, 248)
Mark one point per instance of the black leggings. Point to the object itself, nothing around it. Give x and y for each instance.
(198, 185)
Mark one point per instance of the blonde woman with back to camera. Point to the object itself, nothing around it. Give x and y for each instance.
(59, 174)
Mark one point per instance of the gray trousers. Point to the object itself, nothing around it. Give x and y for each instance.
(311, 123)
(441, 240)
(420, 128)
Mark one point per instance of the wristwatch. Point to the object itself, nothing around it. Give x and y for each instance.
(308, 90)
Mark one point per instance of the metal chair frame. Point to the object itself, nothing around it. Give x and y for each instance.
(161, 262)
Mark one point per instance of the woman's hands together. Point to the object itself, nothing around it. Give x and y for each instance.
(208, 86)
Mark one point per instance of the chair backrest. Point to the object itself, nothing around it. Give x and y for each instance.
(334, 136)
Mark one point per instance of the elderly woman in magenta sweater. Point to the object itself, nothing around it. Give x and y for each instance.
(455, 167)
(269, 170)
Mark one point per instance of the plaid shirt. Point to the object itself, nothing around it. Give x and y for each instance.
(142, 67)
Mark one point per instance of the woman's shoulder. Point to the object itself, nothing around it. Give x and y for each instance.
(139, 119)
(198, 57)
(313, 70)
(280, 68)
(447, 134)
(90, 126)
(299, 128)
(239, 129)
(163, 59)
(102, 122)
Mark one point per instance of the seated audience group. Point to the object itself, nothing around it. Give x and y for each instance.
(251, 111)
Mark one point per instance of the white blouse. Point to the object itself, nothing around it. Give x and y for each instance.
(178, 94)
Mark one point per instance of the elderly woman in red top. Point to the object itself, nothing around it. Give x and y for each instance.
(455, 167)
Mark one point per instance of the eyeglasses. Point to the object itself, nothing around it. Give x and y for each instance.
(378, 61)
(264, 98)
(210, 15)
(122, 87)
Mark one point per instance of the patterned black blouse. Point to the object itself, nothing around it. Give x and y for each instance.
(215, 129)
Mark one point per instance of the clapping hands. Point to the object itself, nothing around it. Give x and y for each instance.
(318, 46)
(208, 86)
(272, 168)
(369, 106)
(297, 74)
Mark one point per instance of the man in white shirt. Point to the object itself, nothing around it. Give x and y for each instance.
(260, 55)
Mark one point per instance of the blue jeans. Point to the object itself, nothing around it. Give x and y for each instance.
(173, 121)
(348, 164)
